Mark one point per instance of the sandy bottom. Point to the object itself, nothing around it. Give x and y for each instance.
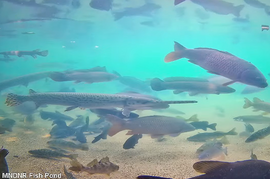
(171, 158)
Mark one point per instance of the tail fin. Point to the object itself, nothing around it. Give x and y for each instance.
(237, 10)
(257, 100)
(157, 84)
(231, 132)
(117, 124)
(116, 73)
(194, 118)
(14, 99)
(177, 54)
(59, 76)
(212, 126)
(103, 135)
(118, 15)
(43, 53)
(73, 156)
(176, 2)
(76, 165)
(247, 104)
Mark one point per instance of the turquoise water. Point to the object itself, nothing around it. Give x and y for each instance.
(85, 38)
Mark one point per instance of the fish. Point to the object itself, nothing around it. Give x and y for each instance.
(249, 127)
(251, 89)
(3, 163)
(254, 119)
(61, 130)
(104, 166)
(67, 145)
(80, 132)
(220, 63)
(7, 59)
(103, 134)
(144, 10)
(56, 2)
(68, 175)
(26, 108)
(265, 27)
(260, 134)
(87, 77)
(150, 177)
(54, 116)
(253, 156)
(204, 125)
(193, 118)
(217, 6)
(212, 143)
(203, 137)
(103, 5)
(78, 122)
(50, 154)
(33, 53)
(258, 105)
(7, 124)
(89, 100)
(213, 153)
(193, 87)
(132, 141)
(29, 120)
(255, 3)
(23, 80)
(156, 126)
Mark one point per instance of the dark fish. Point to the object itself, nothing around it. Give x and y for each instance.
(49, 154)
(260, 134)
(80, 132)
(253, 156)
(217, 6)
(204, 125)
(7, 124)
(144, 10)
(255, 3)
(76, 4)
(193, 87)
(132, 141)
(103, 134)
(258, 105)
(3, 162)
(54, 116)
(104, 5)
(33, 53)
(104, 166)
(220, 63)
(56, 2)
(203, 137)
(249, 127)
(68, 175)
(23, 80)
(63, 144)
(78, 122)
(90, 100)
(156, 126)
(255, 119)
(115, 112)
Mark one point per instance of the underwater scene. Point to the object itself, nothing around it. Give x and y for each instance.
(127, 89)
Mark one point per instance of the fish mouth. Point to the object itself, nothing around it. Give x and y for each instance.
(263, 85)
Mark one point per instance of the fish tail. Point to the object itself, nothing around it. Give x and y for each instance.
(176, 2)
(212, 126)
(103, 135)
(14, 99)
(177, 54)
(194, 118)
(43, 53)
(237, 10)
(59, 76)
(118, 15)
(247, 104)
(73, 156)
(157, 84)
(232, 132)
(117, 124)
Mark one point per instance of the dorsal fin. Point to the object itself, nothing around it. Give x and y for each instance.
(208, 166)
(104, 160)
(93, 163)
(257, 100)
(31, 91)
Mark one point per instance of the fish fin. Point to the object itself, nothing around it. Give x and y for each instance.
(212, 126)
(156, 136)
(231, 132)
(209, 166)
(31, 91)
(176, 2)
(237, 10)
(151, 177)
(265, 113)
(118, 15)
(193, 118)
(104, 160)
(177, 91)
(228, 83)
(116, 73)
(247, 104)
(43, 53)
(25, 84)
(157, 84)
(178, 47)
(212, 72)
(193, 93)
(71, 108)
(77, 81)
(93, 163)
(76, 165)
(14, 100)
(224, 140)
(34, 56)
(175, 134)
(257, 100)
(172, 56)
(117, 124)
(73, 156)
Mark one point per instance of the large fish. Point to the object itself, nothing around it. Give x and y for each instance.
(156, 126)
(220, 63)
(89, 100)
(217, 6)
(24, 80)
(254, 119)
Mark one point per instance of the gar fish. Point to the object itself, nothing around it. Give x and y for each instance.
(204, 125)
(59, 143)
(202, 137)
(258, 105)
(156, 126)
(193, 87)
(33, 53)
(255, 119)
(132, 141)
(3, 162)
(89, 100)
(104, 166)
(217, 6)
(54, 116)
(23, 80)
(49, 154)
(260, 134)
(220, 63)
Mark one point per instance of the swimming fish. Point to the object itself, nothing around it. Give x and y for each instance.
(3, 162)
(54, 116)
(49, 154)
(204, 125)
(33, 53)
(132, 141)
(255, 119)
(220, 63)
(213, 153)
(7, 124)
(104, 5)
(260, 134)
(63, 144)
(258, 105)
